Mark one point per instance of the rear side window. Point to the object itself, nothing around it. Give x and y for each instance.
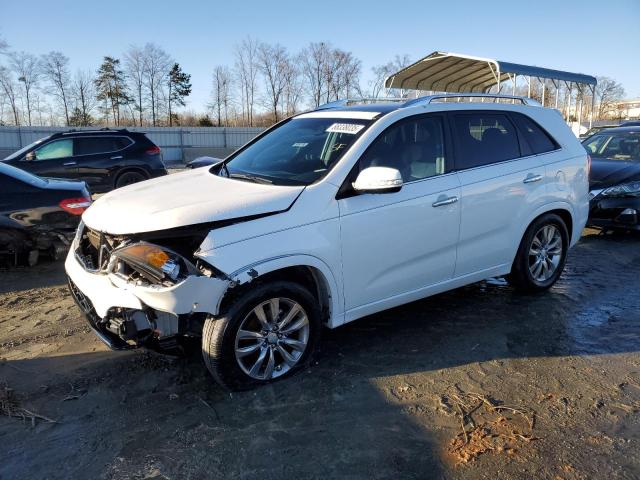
(536, 138)
(94, 145)
(484, 138)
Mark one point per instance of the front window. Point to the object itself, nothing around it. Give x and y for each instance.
(299, 152)
(56, 149)
(614, 147)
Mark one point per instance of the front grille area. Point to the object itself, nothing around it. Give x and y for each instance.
(94, 249)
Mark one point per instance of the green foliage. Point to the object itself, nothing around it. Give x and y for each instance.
(179, 88)
(80, 119)
(111, 87)
(205, 121)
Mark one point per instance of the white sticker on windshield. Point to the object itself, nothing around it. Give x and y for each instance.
(350, 128)
(299, 145)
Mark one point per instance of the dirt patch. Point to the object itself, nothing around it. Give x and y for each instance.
(488, 426)
(379, 402)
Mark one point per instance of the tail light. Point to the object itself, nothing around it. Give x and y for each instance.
(75, 206)
(588, 166)
(155, 150)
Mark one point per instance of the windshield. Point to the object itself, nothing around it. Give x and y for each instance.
(299, 152)
(24, 150)
(625, 146)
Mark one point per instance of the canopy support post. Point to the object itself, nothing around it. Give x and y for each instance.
(593, 105)
(580, 108)
(570, 88)
(557, 87)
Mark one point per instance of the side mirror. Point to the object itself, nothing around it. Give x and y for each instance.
(378, 180)
(30, 156)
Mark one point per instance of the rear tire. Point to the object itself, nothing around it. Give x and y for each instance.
(244, 348)
(541, 256)
(129, 178)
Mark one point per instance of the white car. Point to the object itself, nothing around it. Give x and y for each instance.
(327, 217)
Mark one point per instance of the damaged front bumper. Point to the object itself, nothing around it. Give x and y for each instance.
(125, 315)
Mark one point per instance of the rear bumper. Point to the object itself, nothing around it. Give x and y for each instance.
(615, 212)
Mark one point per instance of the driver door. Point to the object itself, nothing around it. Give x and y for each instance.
(394, 244)
(54, 159)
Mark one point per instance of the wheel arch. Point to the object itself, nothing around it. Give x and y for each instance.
(563, 210)
(306, 270)
(129, 169)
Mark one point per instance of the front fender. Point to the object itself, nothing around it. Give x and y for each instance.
(255, 270)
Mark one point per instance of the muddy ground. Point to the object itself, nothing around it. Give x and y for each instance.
(545, 386)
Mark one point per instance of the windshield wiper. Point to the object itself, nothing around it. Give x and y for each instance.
(250, 178)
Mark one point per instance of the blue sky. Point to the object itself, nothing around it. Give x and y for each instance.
(594, 37)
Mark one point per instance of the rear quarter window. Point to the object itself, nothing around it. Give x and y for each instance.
(483, 138)
(536, 138)
(95, 145)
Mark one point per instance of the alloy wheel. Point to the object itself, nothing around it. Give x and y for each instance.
(545, 253)
(272, 338)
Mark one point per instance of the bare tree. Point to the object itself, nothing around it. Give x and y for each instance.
(293, 87)
(220, 95)
(156, 66)
(608, 93)
(273, 61)
(247, 70)
(134, 68)
(55, 68)
(84, 95)
(314, 60)
(27, 70)
(10, 90)
(381, 72)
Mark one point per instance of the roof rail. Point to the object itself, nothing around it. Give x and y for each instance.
(427, 99)
(346, 102)
(482, 96)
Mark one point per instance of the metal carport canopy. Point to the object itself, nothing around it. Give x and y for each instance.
(453, 72)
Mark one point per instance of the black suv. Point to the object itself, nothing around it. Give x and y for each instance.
(105, 159)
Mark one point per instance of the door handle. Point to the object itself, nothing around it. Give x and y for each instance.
(445, 201)
(532, 179)
(69, 164)
(117, 157)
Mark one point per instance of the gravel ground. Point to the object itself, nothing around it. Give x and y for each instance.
(544, 386)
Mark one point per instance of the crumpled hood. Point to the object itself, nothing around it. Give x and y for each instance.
(185, 198)
(608, 173)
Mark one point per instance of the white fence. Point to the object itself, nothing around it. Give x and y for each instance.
(178, 144)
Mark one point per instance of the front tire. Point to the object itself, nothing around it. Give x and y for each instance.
(542, 254)
(268, 333)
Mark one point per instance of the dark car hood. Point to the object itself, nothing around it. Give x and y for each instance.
(607, 173)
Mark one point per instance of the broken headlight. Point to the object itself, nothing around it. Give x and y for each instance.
(625, 190)
(153, 263)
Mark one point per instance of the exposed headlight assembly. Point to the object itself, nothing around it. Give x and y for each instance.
(625, 190)
(157, 265)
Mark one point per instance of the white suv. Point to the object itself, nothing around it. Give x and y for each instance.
(327, 217)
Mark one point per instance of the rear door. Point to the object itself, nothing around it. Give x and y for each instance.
(99, 157)
(500, 185)
(53, 159)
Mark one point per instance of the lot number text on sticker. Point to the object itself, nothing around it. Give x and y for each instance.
(350, 128)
